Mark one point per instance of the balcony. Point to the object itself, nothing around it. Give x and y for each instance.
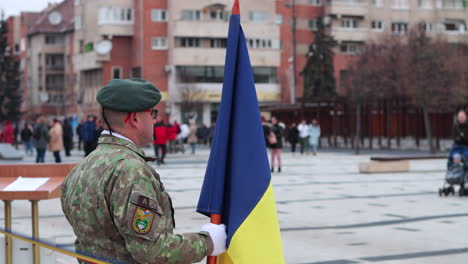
(341, 8)
(125, 30)
(55, 68)
(90, 60)
(214, 56)
(350, 34)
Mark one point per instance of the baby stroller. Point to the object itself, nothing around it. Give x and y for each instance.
(457, 174)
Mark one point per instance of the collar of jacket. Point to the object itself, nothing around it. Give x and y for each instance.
(111, 140)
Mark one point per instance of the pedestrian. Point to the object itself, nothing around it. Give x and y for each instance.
(202, 134)
(293, 136)
(40, 138)
(161, 136)
(192, 138)
(275, 142)
(460, 136)
(88, 133)
(8, 135)
(116, 202)
(182, 136)
(172, 131)
(211, 133)
(26, 138)
(67, 136)
(79, 128)
(303, 136)
(56, 140)
(314, 135)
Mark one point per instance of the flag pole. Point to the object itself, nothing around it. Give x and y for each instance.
(215, 219)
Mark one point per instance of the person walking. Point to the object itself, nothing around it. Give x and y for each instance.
(67, 137)
(192, 136)
(88, 132)
(8, 135)
(115, 201)
(161, 137)
(56, 140)
(314, 135)
(26, 138)
(40, 138)
(275, 143)
(293, 136)
(172, 131)
(182, 136)
(460, 138)
(79, 130)
(303, 136)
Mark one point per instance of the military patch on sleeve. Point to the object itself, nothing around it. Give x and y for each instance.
(142, 220)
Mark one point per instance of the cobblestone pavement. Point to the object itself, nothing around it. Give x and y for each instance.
(328, 211)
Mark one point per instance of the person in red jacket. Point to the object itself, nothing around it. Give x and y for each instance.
(8, 135)
(173, 130)
(161, 136)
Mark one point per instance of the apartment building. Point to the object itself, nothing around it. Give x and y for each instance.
(355, 22)
(69, 50)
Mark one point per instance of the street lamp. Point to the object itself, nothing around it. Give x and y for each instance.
(292, 5)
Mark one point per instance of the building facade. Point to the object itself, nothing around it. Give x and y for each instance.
(70, 50)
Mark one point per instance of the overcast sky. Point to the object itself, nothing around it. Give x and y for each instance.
(14, 7)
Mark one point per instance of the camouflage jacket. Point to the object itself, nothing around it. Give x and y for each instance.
(120, 212)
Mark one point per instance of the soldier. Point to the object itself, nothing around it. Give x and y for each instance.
(115, 201)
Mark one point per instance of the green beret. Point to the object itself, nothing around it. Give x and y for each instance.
(128, 95)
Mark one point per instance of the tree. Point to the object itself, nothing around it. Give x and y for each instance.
(10, 94)
(319, 79)
(435, 80)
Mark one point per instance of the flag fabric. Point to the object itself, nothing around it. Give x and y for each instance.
(237, 182)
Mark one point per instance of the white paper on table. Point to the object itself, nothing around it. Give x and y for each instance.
(26, 184)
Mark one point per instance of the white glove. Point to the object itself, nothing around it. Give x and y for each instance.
(218, 235)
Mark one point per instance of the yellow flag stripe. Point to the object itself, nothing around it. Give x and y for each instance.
(258, 239)
(83, 257)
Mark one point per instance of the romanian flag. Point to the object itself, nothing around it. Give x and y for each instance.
(237, 182)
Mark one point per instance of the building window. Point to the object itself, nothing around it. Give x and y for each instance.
(377, 3)
(377, 25)
(115, 15)
(135, 72)
(399, 28)
(312, 24)
(55, 62)
(455, 26)
(77, 2)
(452, 4)
(427, 27)
(159, 43)
(348, 23)
(279, 19)
(215, 74)
(425, 4)
(117, 72)
(400, 4)
(218, 43)
(315, 2)
(158, 15)
(349, 48)
(190, 42)
(260, 43)
(78, 22)
(191, 14)
(219, 15)
(258, 17)
(57, 40)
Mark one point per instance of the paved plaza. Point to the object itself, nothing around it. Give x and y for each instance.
(328, 211)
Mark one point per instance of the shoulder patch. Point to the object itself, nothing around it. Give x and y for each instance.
(146, 203)
(142, 220)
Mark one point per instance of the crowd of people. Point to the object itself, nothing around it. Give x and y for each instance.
(56, 136)
(276, 134)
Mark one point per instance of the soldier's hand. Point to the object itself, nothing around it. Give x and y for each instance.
(218, 235)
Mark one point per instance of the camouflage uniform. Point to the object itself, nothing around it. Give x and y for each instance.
(119, 210)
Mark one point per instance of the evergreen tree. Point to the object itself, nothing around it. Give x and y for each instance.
(10, 94)
(319, 79)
